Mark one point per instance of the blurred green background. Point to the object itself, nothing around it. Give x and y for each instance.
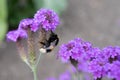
(12, 11)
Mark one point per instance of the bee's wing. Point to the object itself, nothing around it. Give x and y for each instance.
(54, 43)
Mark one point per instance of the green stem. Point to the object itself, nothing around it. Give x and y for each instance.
(34, 70)
(38, 60)
(28, 64)
(78, 75)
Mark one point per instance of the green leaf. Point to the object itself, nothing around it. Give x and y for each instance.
(3, 9)
(3, 29)
(3, 17)
(38, 4)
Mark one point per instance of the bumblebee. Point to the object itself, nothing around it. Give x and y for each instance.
(49, 44)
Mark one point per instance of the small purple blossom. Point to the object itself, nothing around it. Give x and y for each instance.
(64, 52)
(46, 18)
(16, 34)
(27, 23)
(96, 67)
(109, 52)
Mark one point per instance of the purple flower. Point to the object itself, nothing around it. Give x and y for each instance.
(77, 49)
(27, 23)
(65, 52)
(96, 67)
(46, 18)
(114, 70)
(98, 62)
(109, 52)
(65, 76)
(104, 63)
(16, 34)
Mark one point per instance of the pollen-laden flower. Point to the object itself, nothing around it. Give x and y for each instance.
(46, 18)
(27, 23)
(15, 35)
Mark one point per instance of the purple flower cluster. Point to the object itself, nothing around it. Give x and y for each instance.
(76, 49)
(48, 19)
(44, 18)
(98, 62)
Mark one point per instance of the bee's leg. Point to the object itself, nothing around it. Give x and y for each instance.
(42, 43)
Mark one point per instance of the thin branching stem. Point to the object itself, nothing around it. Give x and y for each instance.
(38, 60)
